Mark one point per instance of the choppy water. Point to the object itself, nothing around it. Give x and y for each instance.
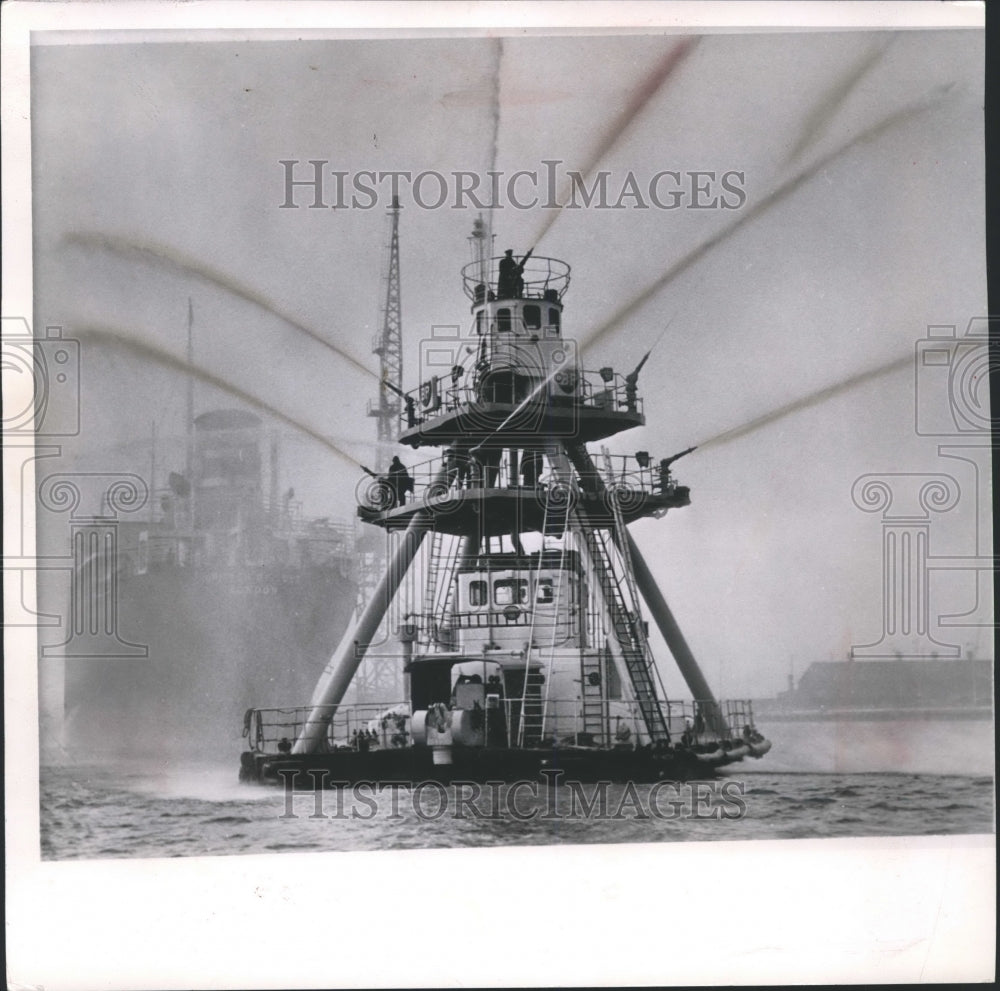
(95, 812)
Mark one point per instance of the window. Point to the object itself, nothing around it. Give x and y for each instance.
(510, 591)
(479, 322)
(503, 320)
(532, 316)
(553, 317)
(545, 592)
(477, 593)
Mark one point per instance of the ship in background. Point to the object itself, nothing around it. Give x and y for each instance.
(225, 595)
(231, 591)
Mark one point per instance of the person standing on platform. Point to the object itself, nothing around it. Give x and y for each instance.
(399, 480)
(510, 283)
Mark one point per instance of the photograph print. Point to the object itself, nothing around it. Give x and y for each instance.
(506, 439)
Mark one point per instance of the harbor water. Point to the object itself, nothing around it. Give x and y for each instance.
(197, 810)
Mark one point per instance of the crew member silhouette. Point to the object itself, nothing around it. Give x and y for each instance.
(510, 283)
(399, 480)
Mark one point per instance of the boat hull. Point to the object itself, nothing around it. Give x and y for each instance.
(411, 765)
(216, 643)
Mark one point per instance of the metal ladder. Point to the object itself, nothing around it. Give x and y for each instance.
(593, 698)
(593, 703)
(628, 632)
(625, 627)
(622, 544)
(440, 575)
(430, 587)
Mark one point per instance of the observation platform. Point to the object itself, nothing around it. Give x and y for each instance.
(485, 494)
(542, 278)
(465, 411)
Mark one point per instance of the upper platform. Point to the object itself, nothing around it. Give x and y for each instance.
(541, 278)
(514, 377)
(494, 492)
(486, 410)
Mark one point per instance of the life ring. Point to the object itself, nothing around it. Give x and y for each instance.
(511, 613)
(429, 391)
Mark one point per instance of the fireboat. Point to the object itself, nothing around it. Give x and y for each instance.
(512, 598)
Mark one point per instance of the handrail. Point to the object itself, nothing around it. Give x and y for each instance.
(469, 472)
(556, 720)
(637, 624)
(595, 390)
(539, 274)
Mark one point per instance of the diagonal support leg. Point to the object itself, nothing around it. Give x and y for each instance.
(686, 663)
(336, 678)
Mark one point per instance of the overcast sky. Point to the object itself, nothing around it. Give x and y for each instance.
(174, 149)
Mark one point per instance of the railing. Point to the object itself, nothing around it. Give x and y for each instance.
(484, 470)
(609, 390)
(599, 390)
(549, 722)
(540, 275)
(738, 715)
(442, 631)
(491, 469)
(276, 730)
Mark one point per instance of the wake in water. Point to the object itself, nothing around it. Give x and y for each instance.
(199, 810)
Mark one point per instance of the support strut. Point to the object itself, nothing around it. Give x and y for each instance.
(686, 663)
(336, 678)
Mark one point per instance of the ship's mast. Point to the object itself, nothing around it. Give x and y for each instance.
(378, 678)
(481, 243)
(189, 407)
(388, 345)
(189, 425)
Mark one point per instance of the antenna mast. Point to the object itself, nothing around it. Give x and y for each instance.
(388, 345)
(481, 242)
(189, 417)
(379, 677)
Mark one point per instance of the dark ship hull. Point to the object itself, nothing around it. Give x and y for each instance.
(487, 764)
(224, 594)
(217, 642)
